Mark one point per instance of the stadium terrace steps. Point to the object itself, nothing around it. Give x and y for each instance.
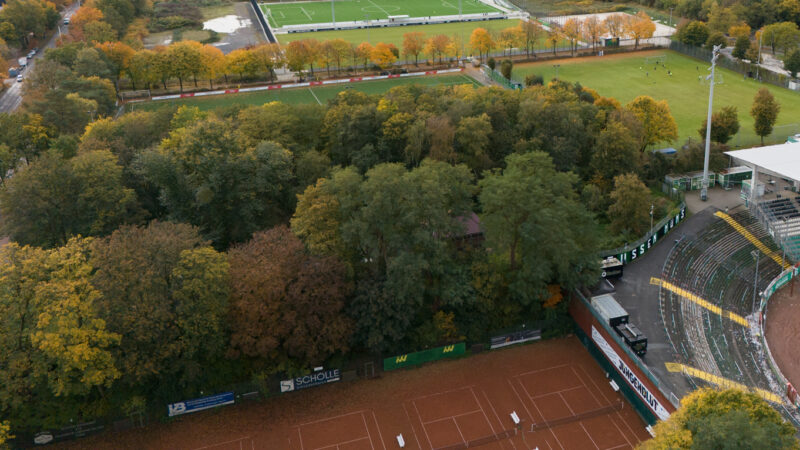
(717, 266)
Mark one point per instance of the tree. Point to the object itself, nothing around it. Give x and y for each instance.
(639, 27)
(437, 45)
(142, 68)
(119, 56)
(615, 25)
(741, 47)
(90, 63)
(693, 33)
(792, 63)
(572, 31)
(783, 35)
(165, 291)
(472, 139)
(481, 42)
(98, 32)
(241, 62)
(27, 17)
(721, 19)
(724, 419)
(765, 112)
(716, 38)
(739, 29)
(213, 62)
(297, 55)
(286, 305)
(616, 151)
(655, 116)
(413, 44)
(724, 125)
(269, 56)
(522, 206)
(211, 181)
(509, 38)
(630, 208)
(382, 55)
(593, 30)
(554, 37)
(506, 67)
(185, 60)
(364, 53)
(52, 199)
(531, 32)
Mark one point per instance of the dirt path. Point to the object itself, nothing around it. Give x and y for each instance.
(783, 331)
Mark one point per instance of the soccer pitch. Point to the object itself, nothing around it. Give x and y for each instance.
(316, 94)
(394, 35)
(626, 76)
(302, 13)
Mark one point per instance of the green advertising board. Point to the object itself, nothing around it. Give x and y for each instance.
(637, 251)
(416, 358)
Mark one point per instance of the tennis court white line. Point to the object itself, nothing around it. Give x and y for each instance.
(589, 434)
(451, 417)
(541, 370)
(423, 425)
(224, 443)
(330, 418)
(559, 392)
(599, 391)
(484, 412)
(459, 431)
(369, 435)
(540, 413)
(379, 429)
(444, 392)
(412, 425)
(491, 405)
(342, 443)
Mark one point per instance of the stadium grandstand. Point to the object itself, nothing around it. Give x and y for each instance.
(710, 308)
(774, 200)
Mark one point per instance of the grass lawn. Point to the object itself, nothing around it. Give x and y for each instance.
(317, 94)
(394, 35)
(297, 13)
(626, 76)
(212, 12)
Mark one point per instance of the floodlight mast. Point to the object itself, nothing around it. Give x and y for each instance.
(715, 55)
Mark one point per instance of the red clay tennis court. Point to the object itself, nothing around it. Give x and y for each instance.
(557, 390)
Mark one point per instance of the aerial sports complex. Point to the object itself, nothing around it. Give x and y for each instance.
(305, 16)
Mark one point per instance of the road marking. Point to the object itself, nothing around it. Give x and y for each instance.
(700, 301)
(722, 382)
(749, 236)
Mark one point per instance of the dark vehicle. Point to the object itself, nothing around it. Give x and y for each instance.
(611, 267)
(616, 316)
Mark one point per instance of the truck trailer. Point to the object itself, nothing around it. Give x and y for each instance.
(619, 319)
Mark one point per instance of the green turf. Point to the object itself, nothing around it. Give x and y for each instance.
(317, 94)
(394, 35)
(626, 76)
(300, 13)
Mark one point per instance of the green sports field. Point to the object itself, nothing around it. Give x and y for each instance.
(626, 76)
(316, 94)
(394, 35)
(301, 13)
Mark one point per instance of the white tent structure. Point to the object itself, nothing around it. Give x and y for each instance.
(781, 214)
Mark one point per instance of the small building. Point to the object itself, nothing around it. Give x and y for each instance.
(734, 176)
(689, 181)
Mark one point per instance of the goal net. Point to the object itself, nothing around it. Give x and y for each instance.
(656, 59)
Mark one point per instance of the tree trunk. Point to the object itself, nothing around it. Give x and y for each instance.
(180, 81)
(195, 81)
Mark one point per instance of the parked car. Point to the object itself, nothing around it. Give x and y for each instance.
(66, 20)
(30, 54)
(19, 78)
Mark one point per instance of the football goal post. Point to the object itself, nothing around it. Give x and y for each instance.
(655, 59)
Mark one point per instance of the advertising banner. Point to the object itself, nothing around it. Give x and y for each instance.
(642, 248)
(517, 337)
(630, 377)
(416, 358)
(311, 380)
(199, 404)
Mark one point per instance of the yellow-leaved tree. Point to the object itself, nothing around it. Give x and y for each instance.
(723, 419)
(656, 118)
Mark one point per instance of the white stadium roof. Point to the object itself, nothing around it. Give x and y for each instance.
(782, 160)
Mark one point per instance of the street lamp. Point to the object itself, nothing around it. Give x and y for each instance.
(755, 254)
(651, 218)
(556, 66)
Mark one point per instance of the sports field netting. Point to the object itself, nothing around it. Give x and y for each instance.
(303, 13)
(316, 94)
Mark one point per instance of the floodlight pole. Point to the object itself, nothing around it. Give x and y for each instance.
(333, 15)
(459, 9)
(757, 255)
(670, 15)
(715, 55)
(758, 63)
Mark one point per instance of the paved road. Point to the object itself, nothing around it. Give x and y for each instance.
(11, 98)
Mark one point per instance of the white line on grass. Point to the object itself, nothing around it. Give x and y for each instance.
(378, 6)
(307, 14)
(315, 96)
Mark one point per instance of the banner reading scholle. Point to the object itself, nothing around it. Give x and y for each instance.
(199, 404)
(630, 377)
(311, 380)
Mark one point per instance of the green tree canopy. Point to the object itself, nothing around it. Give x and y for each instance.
(727, 419)
(630, 208)
(724, 125)
(765, 112)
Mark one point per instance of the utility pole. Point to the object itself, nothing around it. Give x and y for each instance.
(758, 63)
(670, 15)
(651, 218)
(715, 55)
(756, 254)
